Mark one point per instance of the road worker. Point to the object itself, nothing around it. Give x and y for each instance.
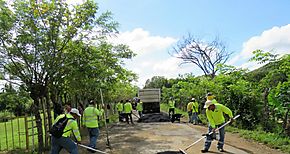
(215, 116)
(71, 127)
(128, 111)
(171, 104)
(90, 118)
(120, 108)
(189, 111)
(139, 108)
(194, 111)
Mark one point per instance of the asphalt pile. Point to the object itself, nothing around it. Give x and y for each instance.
(154, 117)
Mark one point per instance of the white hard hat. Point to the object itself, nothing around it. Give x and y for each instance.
(207, 104)
(193, 99)
(75, 111)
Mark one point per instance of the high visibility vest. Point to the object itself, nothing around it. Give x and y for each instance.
(119, 107)
(91, 114)
(216, 117)
(189, 106)
(71, 126)
(128, 107)
(139, 106)
(171, 104)
(194, 107)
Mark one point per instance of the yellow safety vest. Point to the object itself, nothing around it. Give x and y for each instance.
(91, 114)
(71, 126)
(216, 117)
(171, 104)
(139, 106)
(189, 106)
(194, 107)
(119, 107)
(128, 107)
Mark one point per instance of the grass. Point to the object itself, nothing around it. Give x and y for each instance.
(272, 140)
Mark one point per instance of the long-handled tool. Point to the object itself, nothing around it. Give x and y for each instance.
(90, 148)
(106, 116)
(183, 151)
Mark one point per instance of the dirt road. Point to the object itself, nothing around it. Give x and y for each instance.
(151, 138)
(167, 138)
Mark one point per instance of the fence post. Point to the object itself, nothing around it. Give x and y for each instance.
(12, 130)
(19, 132)
(45, 124)
(26, 132)
(6, 135)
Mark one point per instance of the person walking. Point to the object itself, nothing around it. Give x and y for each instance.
(128, 111)
(90, 118)
(139, 108)
(171, 104)
(71, 128)
(215, 116)
(189, 111)
(120, 109)
(194, 111)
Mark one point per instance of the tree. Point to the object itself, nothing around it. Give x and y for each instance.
(206, 55)
(156, 82)
(36, 39)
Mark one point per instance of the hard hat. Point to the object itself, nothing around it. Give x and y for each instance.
(75, 111)
(209, 94)
(207, 104)
(193, 99)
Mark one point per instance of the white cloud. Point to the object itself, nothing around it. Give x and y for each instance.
(141, 42)
(275, 40)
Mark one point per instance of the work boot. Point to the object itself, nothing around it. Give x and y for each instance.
(204, 150)
(221, 150)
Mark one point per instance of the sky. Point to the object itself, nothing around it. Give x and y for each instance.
(151, 28)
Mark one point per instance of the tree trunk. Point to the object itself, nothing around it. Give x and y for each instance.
(266, 108)
(48, 111)
(38, 125)
(286, 125)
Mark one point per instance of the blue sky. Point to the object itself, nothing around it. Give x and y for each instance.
(152, 27)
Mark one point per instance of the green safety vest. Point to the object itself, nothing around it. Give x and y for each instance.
(139, 106)
(189, 106)
(171, 104)
(194, 107)
(216, 117)
(91, 114)
(71, 126)
(128, 107)
(119, 107)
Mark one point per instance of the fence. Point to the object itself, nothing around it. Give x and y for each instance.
(21, 132)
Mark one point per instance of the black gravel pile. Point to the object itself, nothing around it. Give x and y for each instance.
(154, 117)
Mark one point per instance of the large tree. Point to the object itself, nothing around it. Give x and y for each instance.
(48, 45)
(205, 55)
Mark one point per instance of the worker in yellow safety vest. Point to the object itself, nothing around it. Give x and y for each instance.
(71, 127)
(128, 111)
(139, 108)
(171, 104)
(215, 116)
(189, 111)
(194, 111)
(120, 108)
(90, 118)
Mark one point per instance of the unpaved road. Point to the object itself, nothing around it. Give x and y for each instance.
(151, 138)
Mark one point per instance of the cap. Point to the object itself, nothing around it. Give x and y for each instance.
(207, 104)
(75, 111)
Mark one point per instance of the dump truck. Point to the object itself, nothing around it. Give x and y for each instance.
(150, 99)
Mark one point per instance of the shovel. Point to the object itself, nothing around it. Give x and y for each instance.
(183, 151)
(90, 148)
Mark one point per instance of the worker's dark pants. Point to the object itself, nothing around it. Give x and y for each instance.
(120, 116)
(129, 115)
(210, 138)
(63, 142)
(195, 117)
(140, 114)
(94, 134)
(189, 116)
(171, 110)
